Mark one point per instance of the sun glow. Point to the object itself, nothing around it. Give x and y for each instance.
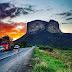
(19, 27)
(15, 39)
(13, 30)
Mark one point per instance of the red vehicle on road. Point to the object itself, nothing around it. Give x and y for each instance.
(7, 43)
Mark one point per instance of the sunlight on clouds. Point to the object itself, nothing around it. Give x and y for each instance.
(14, 30)
(18, 28)
(15, 39)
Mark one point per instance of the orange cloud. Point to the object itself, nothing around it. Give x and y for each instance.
(14, 30)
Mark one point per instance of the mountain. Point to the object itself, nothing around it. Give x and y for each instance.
(39, 25)
(46, 33)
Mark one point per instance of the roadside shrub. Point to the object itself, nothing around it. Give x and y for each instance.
(24, 43)
(37, 60)
(50, 49)
(29, 45)
(22, 46)
(42, 62)
(51, 54)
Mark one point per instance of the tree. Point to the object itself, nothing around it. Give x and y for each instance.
(24, 43)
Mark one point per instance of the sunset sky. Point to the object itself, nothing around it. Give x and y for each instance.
(14, 30)
(59, 10)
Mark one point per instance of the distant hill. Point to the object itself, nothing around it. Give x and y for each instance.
(46, 33)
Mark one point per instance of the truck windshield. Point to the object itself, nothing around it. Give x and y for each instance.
(3, 43)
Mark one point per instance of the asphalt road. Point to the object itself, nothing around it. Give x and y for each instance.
(10, 61)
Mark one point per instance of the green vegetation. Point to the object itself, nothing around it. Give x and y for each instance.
(48, 59)
(23, 44)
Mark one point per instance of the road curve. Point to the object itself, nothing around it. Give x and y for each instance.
(10, 61)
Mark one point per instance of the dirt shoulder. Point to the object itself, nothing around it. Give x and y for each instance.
(27, 63)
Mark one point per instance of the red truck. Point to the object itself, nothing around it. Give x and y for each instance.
(7, 43)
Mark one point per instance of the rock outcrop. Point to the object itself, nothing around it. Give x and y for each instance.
(53, 27)
(46, 33)
(38, 25)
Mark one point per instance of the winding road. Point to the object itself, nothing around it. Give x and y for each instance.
(10, 61)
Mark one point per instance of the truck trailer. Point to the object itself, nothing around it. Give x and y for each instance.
(7, 43)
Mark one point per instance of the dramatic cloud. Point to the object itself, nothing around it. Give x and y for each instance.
(69, 19)
(64, 23)
(14, 30)
(67, 23)
(29, 7)
(65, 14)
(49, 8)
(6, 10)
(9, 10)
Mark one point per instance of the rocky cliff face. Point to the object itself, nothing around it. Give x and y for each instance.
(38, 25)
(53, 27)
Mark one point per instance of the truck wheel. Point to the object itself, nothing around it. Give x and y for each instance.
(8, 48)
(12, 47)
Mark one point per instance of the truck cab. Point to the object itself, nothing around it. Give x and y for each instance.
(7, 43)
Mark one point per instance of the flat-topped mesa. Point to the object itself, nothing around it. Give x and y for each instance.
(46, 33)
(34, 26)
(39, 25)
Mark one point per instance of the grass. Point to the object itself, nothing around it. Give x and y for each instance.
(45, 61)
(61, 54)
(66, 56)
